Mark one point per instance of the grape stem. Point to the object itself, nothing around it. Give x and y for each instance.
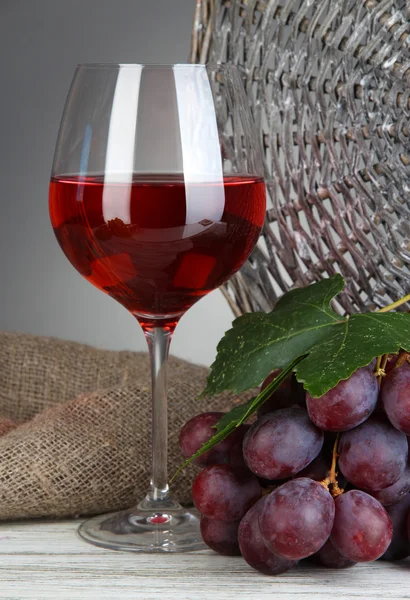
(394, 304)
(331, 483)
(402, 358)
(380, 370)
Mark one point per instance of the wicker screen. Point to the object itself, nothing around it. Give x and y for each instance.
(329, 84)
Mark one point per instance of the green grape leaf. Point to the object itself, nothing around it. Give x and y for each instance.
(259, 342)
(351, 345)
(304, 324)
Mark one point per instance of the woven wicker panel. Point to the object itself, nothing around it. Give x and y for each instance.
(329, 84)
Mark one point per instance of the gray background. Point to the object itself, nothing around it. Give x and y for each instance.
(41, 41)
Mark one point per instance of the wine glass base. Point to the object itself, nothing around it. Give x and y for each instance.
(152, 526)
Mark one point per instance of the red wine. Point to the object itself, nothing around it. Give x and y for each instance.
(141, 242)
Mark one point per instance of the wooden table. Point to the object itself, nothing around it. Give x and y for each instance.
(47, 560)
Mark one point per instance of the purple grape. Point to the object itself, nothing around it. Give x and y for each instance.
(224, 492)
(297, 518)
(254, 549)
(373, 456)
(199, 430)
(400, 544)
(391, 363)
(395, 397)
(347, 405)
(362, 530)
(281, 443)
(290, 392)
(330, 557)
(394, 493)
(221, 536)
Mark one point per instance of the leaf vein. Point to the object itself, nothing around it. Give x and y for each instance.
(288, 337)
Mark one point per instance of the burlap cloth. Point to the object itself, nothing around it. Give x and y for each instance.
(82, 446)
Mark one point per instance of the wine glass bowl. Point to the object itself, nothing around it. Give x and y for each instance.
(156, 202)
(152, 262)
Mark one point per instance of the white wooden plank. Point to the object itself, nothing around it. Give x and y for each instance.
(46, 560)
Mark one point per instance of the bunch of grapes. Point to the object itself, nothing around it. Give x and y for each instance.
(271, 491)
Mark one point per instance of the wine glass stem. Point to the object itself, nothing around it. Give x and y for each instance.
(158, 340)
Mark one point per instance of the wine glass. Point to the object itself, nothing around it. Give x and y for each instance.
(156, 198)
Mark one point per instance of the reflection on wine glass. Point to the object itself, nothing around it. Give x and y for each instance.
(156, 202)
